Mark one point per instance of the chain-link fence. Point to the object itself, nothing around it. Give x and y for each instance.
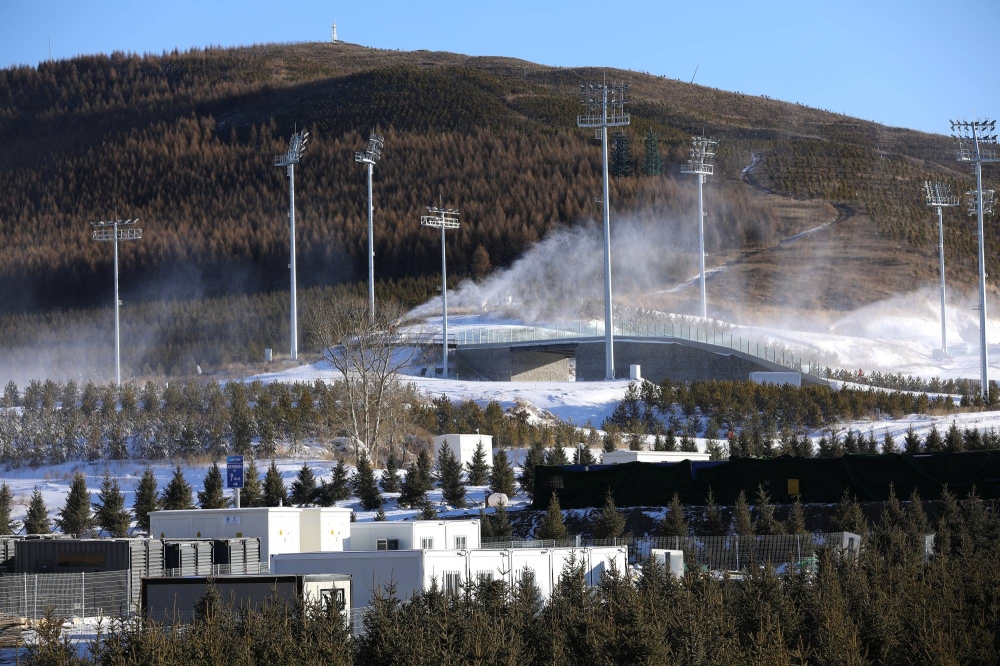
(71, 595)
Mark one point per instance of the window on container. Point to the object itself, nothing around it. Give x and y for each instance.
(387, 544)
(555, 482)
(452, 582)
(427, 543)
(460, 542)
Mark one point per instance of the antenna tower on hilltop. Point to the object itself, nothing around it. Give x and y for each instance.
(605, 107)
(977, 142)
(443, 219)
(296, 147)
(334, 27)
(939, 196)
(370, 157)
(701, 164)
(110, 231)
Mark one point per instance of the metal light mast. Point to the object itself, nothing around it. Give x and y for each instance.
(605, 107)
(701, 164)
(939, 196)
(443, 219)
(370, 157)
(971, 138)
(296, 147)
(110, 231)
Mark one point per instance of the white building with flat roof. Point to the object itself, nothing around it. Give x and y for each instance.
(414, 534)
(464, 447)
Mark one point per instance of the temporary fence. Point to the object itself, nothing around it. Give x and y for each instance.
(68, 595)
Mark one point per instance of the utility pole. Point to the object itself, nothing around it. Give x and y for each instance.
(974, 140)
(370, 157)
(938, 195)
(296, 147)
(443, 219)
(111, 232)
(605, 107)
(701, 164)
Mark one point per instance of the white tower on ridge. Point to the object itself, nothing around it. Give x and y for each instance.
(334, 26)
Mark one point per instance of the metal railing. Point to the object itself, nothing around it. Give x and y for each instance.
(219, 570)
(69, 595)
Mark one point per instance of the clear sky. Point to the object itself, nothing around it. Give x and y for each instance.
(908, 63)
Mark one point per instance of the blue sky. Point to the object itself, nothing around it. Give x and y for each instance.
(893, 61)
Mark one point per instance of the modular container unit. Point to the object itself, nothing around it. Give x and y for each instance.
(174, 599)
(324, 528)
(464, 447)
(671, 560)
(278, 528)
(188, 557)
(236, 556)
(415, 534)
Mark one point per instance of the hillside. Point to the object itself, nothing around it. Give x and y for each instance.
(185, 141)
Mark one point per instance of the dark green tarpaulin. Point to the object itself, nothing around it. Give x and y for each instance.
(817, 480)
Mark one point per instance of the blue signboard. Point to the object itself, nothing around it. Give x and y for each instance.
(234, 471)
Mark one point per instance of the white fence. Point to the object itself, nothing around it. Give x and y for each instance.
(69, 595)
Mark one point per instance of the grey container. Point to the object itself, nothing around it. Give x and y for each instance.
(187, 557)
(237, 556)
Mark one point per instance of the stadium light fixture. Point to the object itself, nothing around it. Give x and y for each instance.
(371, 156)
(114, 231)
(938, 195)
(443, 219)
(977, 141)
(296, 148)
(701, 163)
(605, 107)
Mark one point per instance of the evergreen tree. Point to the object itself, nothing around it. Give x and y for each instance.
(715, 450)
(612, 440)
(177, 494)
(670, 440)
(552, 526)
(556, 456)
(424, 466)
(715, 523)
(849, 517)
(390, 481)
(452, 488)
(934, 443)
(36, 521)
(652, 164)
(608, 524)
(674, 524)
(7, 524)
(304, 488)
(584, 456)
(212, 497)
(796, 523)
(209, 608)
(412, 494)
(146, 499)
(380, 515)
(485, 526)
(75, 516)
(954, 441)
(252, 492)
(687, 444)
(766, 522)
(365, 486)
(502, 529)
(478, 469)
(888, 443)
(621, 156)
(274, 487)
(743, 523)
(340, 484)
(535, 456)
(972, 440)
(501, 475)
(110, 513)
(911, 443)
(427, 512)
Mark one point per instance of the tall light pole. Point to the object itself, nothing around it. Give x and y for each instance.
(939, 196)
(443, 219)
(296, 147)
(974, 141)
(605, 107)
(701, 164)
(370, 157)
(111, 231)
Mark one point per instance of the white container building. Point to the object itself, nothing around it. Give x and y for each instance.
(280, 529)
(464, 447)
(623, 456)
(413, 534)
(415, 570)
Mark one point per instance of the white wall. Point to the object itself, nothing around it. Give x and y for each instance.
(402, 567)
(324, 528)
(278, 528)
(364, 536)
(464, 447)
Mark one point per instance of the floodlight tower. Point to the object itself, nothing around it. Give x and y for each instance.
(605, 107)
(296, 147)
(110, 231)
(939, 196)
(976, 145)
(370, 157)
(443, 219)
(701, 164)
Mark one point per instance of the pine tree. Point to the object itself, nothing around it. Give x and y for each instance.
(427, 512)
(888, 443)
(177, 494)
(714, 450)
(674, 524)
(303, 487)
(501, 475)
(146, 499)
(212, 496)
(954, 442)
(252, 492)
(608, 524)
(36, 521)
(274, 487)
(380, 515)
(75, 516)
(715, 523)
(412, 494)
(849, 517)
(485, 526)
(390, 481)
(535, 456)
(556, 456)
(934, 443)
(110, 513)
(552, 526)
(478, 469)
(340, 483)
(652, 164)
(425, 466)
(502, 529)
(7, 524)
(743, 523)
(584, 456)
(612, 440)
(796, 523)
(452, 488)
(911, 443)
(687, 444)
(365, 486)
(670, 441)
(621, 156)
(766, 522)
